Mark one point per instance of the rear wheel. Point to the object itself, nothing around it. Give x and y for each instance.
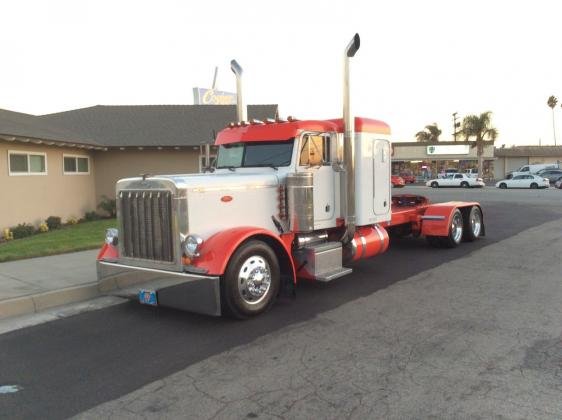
(251, 281)
(473, 224)
(434, 184)
(534, 185)
(464, 184)
(456, 229)
(503, 186)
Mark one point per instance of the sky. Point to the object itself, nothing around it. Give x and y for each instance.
(419, 61)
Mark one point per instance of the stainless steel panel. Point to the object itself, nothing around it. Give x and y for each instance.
(190, 292)
(300, 200)
(322, 262)
(147, 224)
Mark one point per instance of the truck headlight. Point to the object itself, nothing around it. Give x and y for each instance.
(191, 245)
(111, 236)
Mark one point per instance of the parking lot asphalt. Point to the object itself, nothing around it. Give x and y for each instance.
(417, 332)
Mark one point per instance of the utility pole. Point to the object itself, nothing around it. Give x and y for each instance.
(455, 126)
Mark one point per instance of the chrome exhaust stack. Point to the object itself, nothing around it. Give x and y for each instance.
(348, 199)
(240, 108)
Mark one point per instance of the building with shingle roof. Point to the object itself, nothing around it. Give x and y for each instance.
(63, 164)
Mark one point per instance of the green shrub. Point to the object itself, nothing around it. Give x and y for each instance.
(53, 222)
(108, 205)
(22, 230)
(91, 216)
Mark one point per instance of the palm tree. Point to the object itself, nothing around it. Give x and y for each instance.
(552, 101)
(430, 134)
(479, 127)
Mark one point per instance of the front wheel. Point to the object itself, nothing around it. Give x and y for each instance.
(251, 281)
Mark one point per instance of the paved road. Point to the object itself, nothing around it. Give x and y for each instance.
(416, 332)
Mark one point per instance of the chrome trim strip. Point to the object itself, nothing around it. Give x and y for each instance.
(430, 217)
(153, 270)
(364, 243)
(381, 237)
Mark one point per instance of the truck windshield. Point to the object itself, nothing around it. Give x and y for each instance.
(255, 154)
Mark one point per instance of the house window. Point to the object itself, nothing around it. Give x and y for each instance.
(27, 163)
(76, 165)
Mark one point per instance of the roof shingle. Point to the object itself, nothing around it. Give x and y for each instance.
(152, 125)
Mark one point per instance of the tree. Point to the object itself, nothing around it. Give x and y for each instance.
(480, 128)
(552, 101)
(430, 134)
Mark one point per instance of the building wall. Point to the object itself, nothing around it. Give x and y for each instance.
(115, 164)
(409, 151)
(33, 198)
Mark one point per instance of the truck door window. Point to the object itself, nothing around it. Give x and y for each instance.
(315, 150)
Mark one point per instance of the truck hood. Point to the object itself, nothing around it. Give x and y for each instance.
(213, 181)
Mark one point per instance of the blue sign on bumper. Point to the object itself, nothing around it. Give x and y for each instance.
(148, 297)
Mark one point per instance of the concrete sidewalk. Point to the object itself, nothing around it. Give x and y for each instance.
(36, 284)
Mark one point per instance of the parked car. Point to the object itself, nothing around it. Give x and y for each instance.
(553, 175)
(532, 169)
(408, 178)
(524, 181)
(397, 181)
(455, 180)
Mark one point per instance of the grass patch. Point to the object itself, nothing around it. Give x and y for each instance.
(87, 235)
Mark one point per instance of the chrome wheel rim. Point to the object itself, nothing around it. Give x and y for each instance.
(254, 279)
(456, 227)
(476, 223)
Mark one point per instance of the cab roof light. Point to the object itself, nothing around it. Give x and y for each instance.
(256, 121)
(290, 118)
(269, 120)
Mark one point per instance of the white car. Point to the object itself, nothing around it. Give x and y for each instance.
(455, 180)
(524, 181)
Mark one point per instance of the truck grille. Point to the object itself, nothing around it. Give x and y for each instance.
(147, 224)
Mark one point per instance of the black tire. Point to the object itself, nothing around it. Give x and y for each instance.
(473, 224)
(434, 184)
(464, 184)
(503, 186)
(260, 259)
(456, 229)
(534, 186)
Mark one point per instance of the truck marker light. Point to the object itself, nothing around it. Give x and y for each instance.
(226, 198)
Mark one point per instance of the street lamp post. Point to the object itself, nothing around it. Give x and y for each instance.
(455, 126)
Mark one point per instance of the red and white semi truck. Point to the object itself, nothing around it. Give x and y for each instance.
(288, 200)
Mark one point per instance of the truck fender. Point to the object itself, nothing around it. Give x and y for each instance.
(437, 217)
(215, 252)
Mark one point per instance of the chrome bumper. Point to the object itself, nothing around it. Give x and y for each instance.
(189, 292)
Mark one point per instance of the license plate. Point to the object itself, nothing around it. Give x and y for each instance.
(148, 297)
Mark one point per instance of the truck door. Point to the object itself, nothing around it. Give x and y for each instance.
(316, 157)
(381, 174)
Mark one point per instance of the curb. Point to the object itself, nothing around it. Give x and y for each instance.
(39, 302)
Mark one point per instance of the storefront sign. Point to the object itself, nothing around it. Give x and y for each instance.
(456, 149)
(203, 96)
